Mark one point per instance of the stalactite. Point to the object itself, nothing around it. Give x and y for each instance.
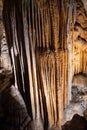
(41, 55)
(79, 61)
(42, 26)
(70, 28)
(79, 51)
(66, 78)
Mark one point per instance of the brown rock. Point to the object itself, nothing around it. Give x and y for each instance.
(77, 123)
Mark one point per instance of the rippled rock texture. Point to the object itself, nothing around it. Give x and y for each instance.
(37, 42)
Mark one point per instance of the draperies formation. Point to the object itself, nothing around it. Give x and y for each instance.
(37, 39)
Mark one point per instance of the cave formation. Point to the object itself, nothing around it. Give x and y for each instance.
(43, 48)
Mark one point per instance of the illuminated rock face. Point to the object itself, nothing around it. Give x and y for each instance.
(47, 45)
(78, 67)
(80, 40)
(4, 54)
(37, 42)
(5, 58)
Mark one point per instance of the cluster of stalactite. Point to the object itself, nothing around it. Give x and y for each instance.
(80, 40)
(84, 61)
(52, 68)
(79, 61)
(36, 33)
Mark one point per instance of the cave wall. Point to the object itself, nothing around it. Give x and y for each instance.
(80, 39)
(4, 53)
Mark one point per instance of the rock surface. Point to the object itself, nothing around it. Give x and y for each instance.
(79, 97)
(85, 114)
(77, 123)
(79, 88)
(15, 116)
